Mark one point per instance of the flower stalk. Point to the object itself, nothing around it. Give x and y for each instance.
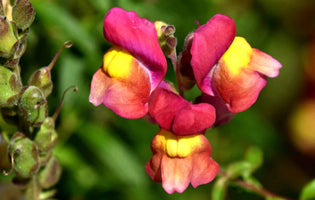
(30, 146)
(251, 187)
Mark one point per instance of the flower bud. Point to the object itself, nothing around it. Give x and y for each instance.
(8, 38)
(46, 137)
(33, 105)
(41, 78)
(10, 87)
(23, 14)
(166, 37)
(50, 175)
(25, 154)
(185, 68)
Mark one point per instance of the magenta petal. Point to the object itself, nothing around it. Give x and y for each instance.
(175, 114)
(163, 106)
(223, 114)
(98, 87)
(193, 119)
(138, 36)
(209, 44)
(184, 65)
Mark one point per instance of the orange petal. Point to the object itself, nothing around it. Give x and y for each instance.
(99, 85)
(176, 173)
(239, 92)
(126, 100)
(204, 170)
(123, 84)
(153, 167)
(264, 64)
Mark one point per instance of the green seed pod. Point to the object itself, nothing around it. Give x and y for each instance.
(10, 87)
(33, 105)
(4, 161)
(41, 78)
(33, 189)
(25, 154)
(46, 137)
(22, 44)
(50, 175)
(44, 157)
(8, 38)
(23, 14)
(9, 115)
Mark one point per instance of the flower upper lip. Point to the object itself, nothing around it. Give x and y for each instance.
(139, 37)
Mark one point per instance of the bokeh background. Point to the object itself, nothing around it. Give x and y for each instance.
(103, 155)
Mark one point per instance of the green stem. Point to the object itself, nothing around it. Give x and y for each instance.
(181, 89)
(258, 190)
(75, 89)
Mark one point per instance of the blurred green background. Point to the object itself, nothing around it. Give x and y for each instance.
(103, 155)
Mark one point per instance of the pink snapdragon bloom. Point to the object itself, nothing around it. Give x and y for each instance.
(180, 160)
(228, 71)
(237, 79)
(131, 69)
(203, 48)
(173, 113)
(240, 75)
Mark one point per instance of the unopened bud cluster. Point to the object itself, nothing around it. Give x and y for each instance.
(29, 147)
(166, 38)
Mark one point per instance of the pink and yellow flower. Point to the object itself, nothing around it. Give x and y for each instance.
(180, 160)
(225, 67)
(173, 113)
(131, 69)
(240, 74)
(204, 47)
(237, 79)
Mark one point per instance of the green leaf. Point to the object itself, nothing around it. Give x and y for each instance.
(71, 72)
(219, 189)
(308, 192)
(70, 160)
(242, 168)
(101, 5)
(252, 181)
(52, 15)
(114, 154)
(274, 198)
(253, 159)
(254, 156)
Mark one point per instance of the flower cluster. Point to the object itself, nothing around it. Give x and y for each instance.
(227, 70)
